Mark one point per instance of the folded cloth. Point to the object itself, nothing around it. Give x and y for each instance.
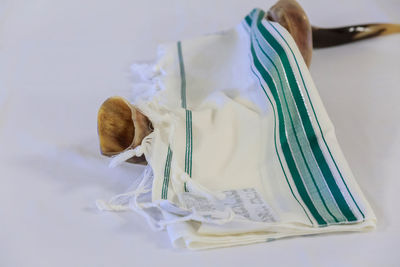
(243, 150)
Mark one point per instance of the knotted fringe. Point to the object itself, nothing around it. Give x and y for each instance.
(153, 211)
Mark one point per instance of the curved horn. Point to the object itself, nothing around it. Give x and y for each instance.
(326, 37)
(120, 127)
(290, 15)
(293, 18)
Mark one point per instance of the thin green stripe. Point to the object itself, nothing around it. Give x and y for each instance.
(166, 174)
(319, 126)
(191, 143)
(167, 170)
(183, 76)
(301, 161)
(187, 143)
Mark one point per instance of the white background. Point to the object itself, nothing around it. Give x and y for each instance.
(59, 60)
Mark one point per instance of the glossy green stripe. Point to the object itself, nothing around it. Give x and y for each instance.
(191, 142)
(316, 118)
(251, 16)
(312, 139)
(166, 174)
(167, 170)
(276, 146)
(285, 146)
(187, 141)
(296, 147)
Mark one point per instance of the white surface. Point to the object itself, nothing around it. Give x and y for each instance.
(60, 59)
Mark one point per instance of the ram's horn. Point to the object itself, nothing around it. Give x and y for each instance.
(326, 37)
(291, 16)
(120, 127)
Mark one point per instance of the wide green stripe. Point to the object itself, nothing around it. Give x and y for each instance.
(316, 118)
(312, 165)
(285, 146)
(311, 136)
(167, 170)
(248, 20)
(296, 147)
(276, 146)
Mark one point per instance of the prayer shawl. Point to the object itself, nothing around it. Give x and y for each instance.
(243, 150)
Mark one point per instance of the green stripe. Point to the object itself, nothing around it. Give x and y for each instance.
(189, 137)
(276, 147)
(167, 170)
(319, 126)
(300, 187)
(311, 136)
(312, 168)
(187, 143)
(248, 20)
(187, 140)
(191, 142)
(296, 146)
(285, 147)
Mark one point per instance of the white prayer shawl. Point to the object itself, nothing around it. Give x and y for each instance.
(243, 150)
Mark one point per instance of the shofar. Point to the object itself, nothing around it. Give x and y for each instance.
(121, 126)
(292, 17)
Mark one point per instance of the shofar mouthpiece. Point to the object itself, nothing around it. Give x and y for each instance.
(120, 127)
